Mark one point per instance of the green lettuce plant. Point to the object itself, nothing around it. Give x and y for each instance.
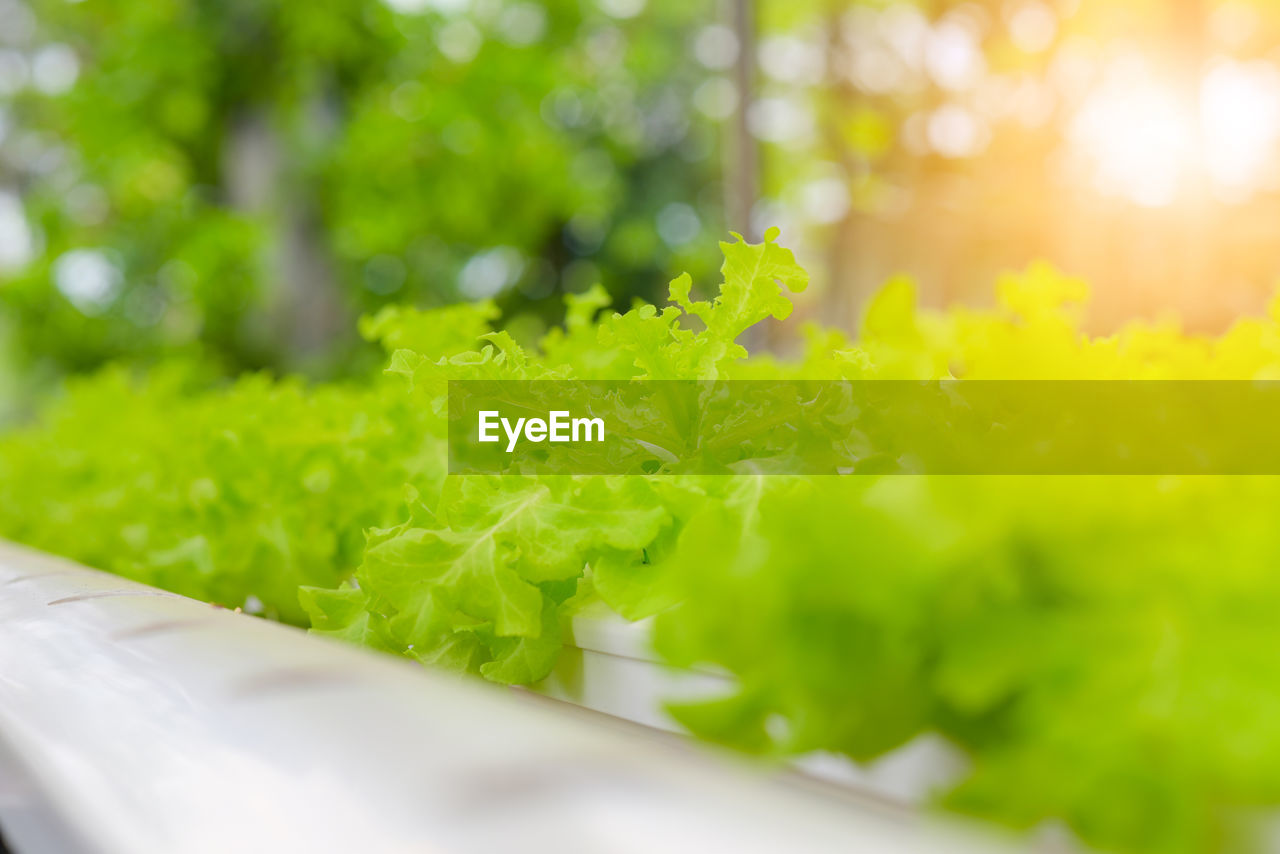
(1100, 648)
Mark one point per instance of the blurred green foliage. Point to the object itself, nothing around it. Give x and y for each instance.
(247, 177)
(244, 177)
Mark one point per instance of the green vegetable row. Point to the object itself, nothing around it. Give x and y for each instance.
(1102, 649)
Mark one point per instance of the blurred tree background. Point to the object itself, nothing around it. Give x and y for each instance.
(1134, 143)
(237, 180)
(248, 176)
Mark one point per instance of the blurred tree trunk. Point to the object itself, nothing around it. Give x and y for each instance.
(1191, 54)
(742, 186)
(309, 308)
(742, 154)
(305, 304)
(844, 297)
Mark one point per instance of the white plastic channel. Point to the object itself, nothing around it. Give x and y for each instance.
(610, 667)
(139, 722)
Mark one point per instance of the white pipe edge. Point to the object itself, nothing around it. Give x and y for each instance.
(148, 723)
(609, 665)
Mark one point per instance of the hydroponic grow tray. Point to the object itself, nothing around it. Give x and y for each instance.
(135, 721)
